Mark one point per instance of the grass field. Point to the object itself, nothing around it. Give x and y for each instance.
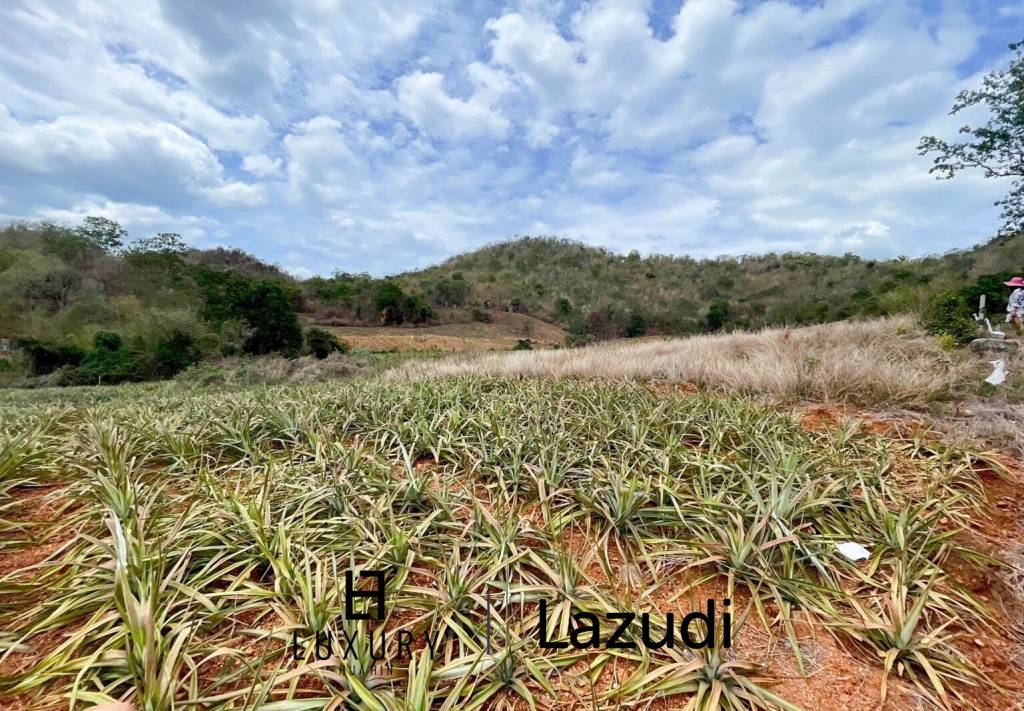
(161, 547)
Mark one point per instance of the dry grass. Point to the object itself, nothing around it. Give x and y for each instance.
(885, 360)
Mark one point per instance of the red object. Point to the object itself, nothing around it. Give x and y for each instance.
(1016, 281)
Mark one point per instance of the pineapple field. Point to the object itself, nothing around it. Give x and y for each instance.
(455, 543)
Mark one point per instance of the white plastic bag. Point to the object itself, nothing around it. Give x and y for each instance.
(999, 374)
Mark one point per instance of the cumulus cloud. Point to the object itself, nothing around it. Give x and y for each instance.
(422, 98)
(387, 135)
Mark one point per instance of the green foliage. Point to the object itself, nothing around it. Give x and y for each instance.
(764, 290)
(388, 303)
(262, 304)
(636, 325)
(321, 343)
(45, 358)
(995, 148)
(101, 232)
(949, 314)
(174, 353)
(523, 344)
(451, 292)
(947, 342)
(393, 306)
(717, 316)
(107, 362)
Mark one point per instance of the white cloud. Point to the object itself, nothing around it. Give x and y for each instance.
(385, 135)
(422, 98)
(262, 165)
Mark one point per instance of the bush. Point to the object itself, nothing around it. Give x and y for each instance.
(43, 359)
(107, 362)
(481, 316)
(636, 325)
(949, 314)
(174, 354)
(523, 344)
(321, 343)
(718, 315)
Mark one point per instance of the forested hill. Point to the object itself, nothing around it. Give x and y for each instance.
(157, 306)
(595, 291)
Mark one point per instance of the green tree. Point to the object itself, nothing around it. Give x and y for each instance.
(949, 314)
(174, 353)
(104, 233)
(161, 242)
(997, 147)
(636, 325)
(262, 304)
(718, 315)
(388, 301)
(107, 362)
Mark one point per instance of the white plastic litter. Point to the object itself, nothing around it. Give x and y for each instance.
(999, 374)
(853, 551)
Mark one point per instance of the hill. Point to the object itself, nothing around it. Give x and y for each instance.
(157, 306)
(596, 292)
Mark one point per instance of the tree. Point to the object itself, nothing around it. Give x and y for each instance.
(718, 315)
(949, 314)
(108, 361)
(997, 147)
(636, 325)
(161, 242)
(262, 304)
(175, 353)
(387, 302)
(106, 234)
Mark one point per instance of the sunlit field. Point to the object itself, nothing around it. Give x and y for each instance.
(176, 550)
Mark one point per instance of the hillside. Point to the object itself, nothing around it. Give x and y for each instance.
(592, 290)
(157, 306)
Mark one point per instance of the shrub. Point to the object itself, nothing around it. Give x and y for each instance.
(174, 354)
(107, 362)
(321, 343)
(481, 316)
(523, 344)
(949, 314)
(718, 315)
(947, 342)
(43, 359)
(636, 325)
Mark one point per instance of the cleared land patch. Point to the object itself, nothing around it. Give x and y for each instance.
(501, 333)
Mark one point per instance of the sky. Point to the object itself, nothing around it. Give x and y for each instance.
(385, 136)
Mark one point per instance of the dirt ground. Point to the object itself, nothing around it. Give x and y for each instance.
(501, 334)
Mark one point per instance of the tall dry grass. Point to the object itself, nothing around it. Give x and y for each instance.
(885, 360)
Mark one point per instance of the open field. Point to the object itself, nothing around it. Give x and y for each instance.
(886, 365)
(161, 547)
(501, 334)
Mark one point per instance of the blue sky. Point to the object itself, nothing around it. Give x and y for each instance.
(389, 135)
